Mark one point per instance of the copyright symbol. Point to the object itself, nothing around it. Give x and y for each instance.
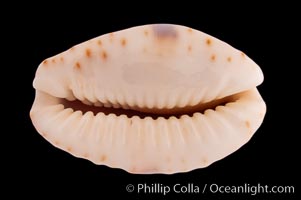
(129, 188)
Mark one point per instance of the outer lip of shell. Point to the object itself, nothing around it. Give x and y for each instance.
(181, 144)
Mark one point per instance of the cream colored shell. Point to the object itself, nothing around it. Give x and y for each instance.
(207, 88)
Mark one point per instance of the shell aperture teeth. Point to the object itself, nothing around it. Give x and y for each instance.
(143, 112)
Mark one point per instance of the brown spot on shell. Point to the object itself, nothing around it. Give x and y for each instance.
(77, 65)
(69, 149)
(57, 142)
(213, 57)
(72, 48)
(104, 55)
(62, 59)
(208, 41)
(88, 53)
(123, 41)
(103, 158)
(189, 48)
(248, 125)
(86, 155)
(229, 59)
(53, 60)
(189, 30)
(243, 54)
(99, 42)
(146, 32)
(204, 161)
(45, 62)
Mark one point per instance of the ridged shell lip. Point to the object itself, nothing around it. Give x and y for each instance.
(117, 109)
(148, 145)
(142, 112)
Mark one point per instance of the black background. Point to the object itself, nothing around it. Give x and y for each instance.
(269, 158)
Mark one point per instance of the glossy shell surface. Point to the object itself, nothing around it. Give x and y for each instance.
(157, 98)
